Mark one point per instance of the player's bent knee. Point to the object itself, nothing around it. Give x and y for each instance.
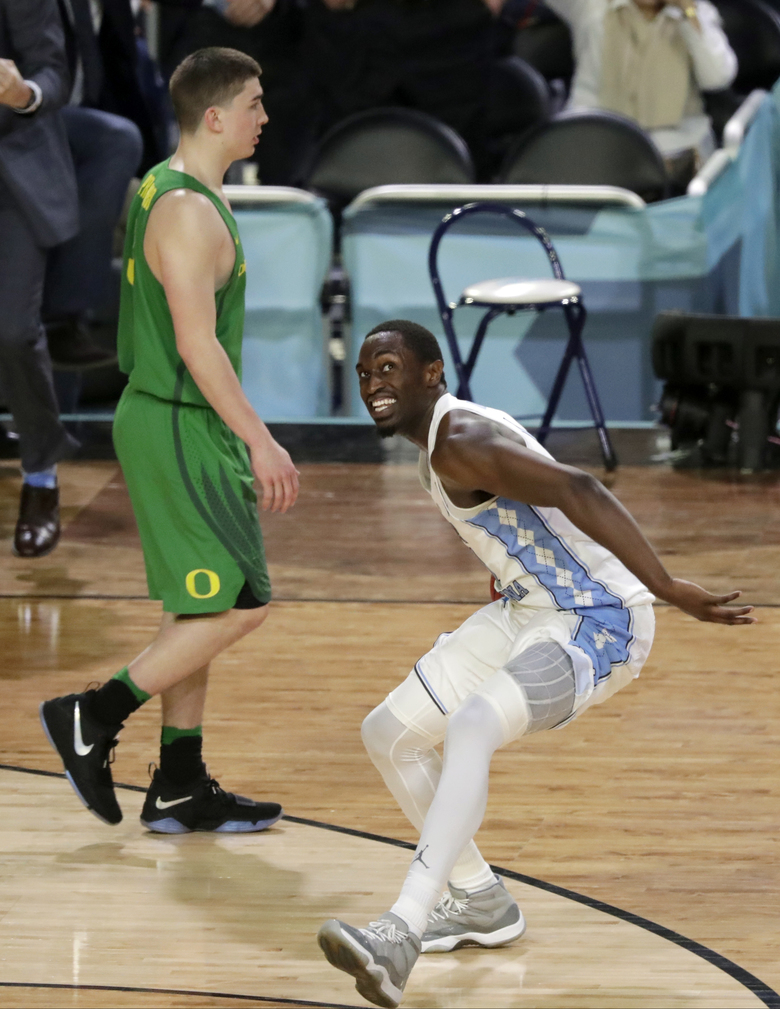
(252, 619)
(380, 732)
(371, 732)
(246, 621)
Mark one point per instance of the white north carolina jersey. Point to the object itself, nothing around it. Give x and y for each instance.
(539, 558)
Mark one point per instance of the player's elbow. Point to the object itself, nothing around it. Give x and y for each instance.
(185, 351)
(582, 491)
(190, 348)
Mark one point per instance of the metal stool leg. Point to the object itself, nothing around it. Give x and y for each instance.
(607, 451)
(575, 319)
(557, 389)
(464, 389)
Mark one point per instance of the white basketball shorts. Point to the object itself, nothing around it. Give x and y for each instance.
(607, 649)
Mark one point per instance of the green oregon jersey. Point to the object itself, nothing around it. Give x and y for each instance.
(188, 474)
(146, 340)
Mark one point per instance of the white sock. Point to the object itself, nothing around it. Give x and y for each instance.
(417, 899)
(472, 875)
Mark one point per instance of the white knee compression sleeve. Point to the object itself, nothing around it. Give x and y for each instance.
(473, 734)
(411, 769)
(407, 761)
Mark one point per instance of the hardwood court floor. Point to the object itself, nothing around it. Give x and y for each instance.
(663, 802)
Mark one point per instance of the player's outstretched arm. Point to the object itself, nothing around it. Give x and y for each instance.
(474, 455)
(187, 245)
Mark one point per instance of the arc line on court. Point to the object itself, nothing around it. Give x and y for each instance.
(762, 991)
(178, 991)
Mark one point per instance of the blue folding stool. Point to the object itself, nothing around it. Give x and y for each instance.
(510, 295)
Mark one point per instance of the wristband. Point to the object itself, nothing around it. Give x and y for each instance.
(35, 102)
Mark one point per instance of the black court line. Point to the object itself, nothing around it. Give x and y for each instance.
(762, 991)
(178, 991)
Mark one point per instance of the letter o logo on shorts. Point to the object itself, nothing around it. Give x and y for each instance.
(214, 583)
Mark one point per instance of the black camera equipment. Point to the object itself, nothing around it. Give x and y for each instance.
(722, 375)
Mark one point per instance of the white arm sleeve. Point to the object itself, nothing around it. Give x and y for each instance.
(714, 62)
(585, 18)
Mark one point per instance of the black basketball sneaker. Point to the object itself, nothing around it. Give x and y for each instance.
(203, 805)
(86, 749)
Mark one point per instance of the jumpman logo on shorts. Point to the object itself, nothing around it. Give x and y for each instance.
(419, 857)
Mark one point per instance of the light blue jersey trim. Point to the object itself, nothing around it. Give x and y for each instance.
(604, 622)
(605, 634)
(529, 540)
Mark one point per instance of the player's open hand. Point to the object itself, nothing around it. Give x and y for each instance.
(693, 599)
(277, 474)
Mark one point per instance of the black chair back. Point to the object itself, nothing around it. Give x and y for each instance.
(753, 29)
(387, 146)
(518, 97)
(591, 148)
(547, 46)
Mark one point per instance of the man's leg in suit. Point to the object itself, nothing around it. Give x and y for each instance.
(106, 151)
(25, 373)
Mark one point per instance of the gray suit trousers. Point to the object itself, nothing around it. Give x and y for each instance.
(25, 365)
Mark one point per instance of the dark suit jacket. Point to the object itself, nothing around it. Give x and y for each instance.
(35, 161)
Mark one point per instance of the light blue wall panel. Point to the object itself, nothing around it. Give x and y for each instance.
(287, 252)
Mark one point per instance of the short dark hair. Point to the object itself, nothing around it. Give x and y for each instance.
(211, 76)
(421, 341)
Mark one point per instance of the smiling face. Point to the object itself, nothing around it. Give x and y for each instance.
(242, 120)
(399, 389)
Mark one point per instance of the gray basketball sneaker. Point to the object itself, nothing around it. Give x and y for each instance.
(489, 917)
(380, 957)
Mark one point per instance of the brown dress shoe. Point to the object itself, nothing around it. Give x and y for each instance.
(38, 528)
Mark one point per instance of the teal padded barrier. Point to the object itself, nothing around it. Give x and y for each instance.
(714, 253)
(288, 250)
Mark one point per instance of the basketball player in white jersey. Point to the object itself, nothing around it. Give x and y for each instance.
(573, 624)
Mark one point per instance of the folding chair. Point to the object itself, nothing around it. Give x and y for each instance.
(510, 295)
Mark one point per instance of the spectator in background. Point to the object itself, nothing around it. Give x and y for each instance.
(324, 60)
(106, 151)
(270, 31)
(38, 209)
(650, 61)
(431, 55)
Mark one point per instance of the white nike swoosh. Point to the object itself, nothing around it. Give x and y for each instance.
(174, 802)
(78, 740)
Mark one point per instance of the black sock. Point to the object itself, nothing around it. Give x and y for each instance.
(112, 703)
(181, 761)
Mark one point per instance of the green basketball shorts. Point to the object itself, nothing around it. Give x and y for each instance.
(191, 488)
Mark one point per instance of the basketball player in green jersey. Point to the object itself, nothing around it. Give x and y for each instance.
(190, 445)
